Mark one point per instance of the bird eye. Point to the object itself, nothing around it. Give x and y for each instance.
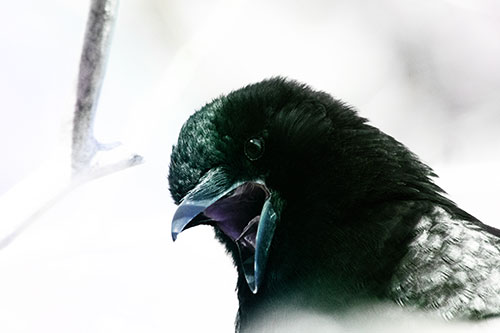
(254, 148)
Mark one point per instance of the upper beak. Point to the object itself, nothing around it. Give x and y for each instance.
(241, 210)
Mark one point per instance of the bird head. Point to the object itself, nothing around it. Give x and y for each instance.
(281, 172)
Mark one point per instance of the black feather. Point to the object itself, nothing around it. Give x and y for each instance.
(350, 197)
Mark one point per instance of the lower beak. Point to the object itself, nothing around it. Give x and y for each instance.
(241, 210)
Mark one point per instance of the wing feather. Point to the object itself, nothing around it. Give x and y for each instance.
(452, 266)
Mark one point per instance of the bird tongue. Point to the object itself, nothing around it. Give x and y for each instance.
(238, 213)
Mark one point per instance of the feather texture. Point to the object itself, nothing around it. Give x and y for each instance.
(452, 266)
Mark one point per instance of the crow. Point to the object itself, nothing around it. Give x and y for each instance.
(322, 211)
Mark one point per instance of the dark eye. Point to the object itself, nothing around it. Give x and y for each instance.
(254, 148)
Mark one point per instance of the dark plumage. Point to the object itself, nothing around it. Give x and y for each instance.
(349, 215)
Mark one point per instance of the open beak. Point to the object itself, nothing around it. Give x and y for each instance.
(242, 210)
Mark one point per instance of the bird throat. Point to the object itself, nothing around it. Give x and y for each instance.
(237, 214)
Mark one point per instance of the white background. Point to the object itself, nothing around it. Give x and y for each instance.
(102, 260)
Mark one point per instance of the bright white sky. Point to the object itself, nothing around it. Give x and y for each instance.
(102, 260)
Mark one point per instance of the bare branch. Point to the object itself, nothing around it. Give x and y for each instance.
(93, 61)
(101, 20)
(22, 205)
(92, 68)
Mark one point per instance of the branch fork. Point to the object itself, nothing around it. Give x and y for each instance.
(27, 201)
